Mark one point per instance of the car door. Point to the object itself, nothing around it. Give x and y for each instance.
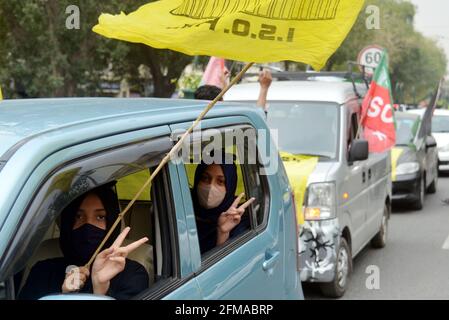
(378, 174)
(356, 185)
(431, 152)
(252, 265)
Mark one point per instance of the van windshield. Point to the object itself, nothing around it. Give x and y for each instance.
(307, 128)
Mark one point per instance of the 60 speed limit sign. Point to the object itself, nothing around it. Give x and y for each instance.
(370, 57)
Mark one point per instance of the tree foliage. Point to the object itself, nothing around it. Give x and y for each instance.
(417, 63)
(40, 57)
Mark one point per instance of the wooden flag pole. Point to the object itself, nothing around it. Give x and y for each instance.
(165, 160)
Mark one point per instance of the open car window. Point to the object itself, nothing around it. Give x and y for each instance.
(128, 168)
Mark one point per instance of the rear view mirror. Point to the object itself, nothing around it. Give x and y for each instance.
(359, 151)
(430, 142)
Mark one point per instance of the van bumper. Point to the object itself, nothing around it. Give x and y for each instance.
(443, 160)
(406, 187)
(318, 244)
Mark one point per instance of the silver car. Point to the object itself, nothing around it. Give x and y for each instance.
(348, 196)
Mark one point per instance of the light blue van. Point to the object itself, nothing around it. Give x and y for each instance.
(54, 150)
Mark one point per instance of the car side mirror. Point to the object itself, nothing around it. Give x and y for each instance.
(75, 296)
(359, 151)
(430, 142)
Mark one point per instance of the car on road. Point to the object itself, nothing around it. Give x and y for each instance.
(348, 193)
(415, 160)
(54, 150)
(440, 131)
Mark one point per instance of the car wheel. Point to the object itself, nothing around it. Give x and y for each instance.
(419, 203)
(343, 267)
(433, 186)
(380, 239)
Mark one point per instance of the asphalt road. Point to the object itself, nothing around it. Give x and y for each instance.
(415, 262)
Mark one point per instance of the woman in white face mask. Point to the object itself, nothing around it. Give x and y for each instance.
(218, 214)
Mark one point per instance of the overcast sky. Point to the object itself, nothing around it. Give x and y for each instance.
(432, 20)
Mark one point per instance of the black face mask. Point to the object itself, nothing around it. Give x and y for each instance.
(85, 240)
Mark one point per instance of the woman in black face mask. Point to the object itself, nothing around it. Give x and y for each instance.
(84, 224)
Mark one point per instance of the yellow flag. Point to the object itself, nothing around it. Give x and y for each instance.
(298, 169)
(1, 95)
(309, 31)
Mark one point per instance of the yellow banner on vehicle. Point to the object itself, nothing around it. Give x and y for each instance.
(395, 154)
(309, 31)
(298, 169)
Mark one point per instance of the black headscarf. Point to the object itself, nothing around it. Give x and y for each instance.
(109, 200)
(207, 219)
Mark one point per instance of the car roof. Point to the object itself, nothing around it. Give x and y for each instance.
(437, 112)
(419, 111)
(441, 112)
(328, 91)
(407, 115)
(23, 119)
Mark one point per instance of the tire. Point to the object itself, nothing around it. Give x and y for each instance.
(419, 203)
(343, 268)
(433, 186)
(380, 239)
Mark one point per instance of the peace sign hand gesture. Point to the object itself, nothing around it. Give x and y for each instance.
(229, 219)
(111, 262)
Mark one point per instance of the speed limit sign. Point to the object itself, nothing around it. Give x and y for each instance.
(369, 58)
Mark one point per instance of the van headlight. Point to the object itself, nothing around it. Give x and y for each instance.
(407, 168)
(319, 201)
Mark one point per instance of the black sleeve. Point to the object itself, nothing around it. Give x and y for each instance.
(39, 282)
(133, 280)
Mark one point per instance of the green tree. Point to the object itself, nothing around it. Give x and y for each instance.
(416, 62)
(40, 57)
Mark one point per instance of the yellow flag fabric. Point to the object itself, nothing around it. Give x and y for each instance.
(395, 154)
(128, 186)
(308, 31)
(1, 95)
(298, 169)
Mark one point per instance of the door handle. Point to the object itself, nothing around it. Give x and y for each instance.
(369, 174)
(270, 260)
(363, 176)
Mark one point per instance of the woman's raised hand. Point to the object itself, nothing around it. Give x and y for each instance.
(111, 262)
(231, 218)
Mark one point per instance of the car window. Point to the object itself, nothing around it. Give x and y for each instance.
(123, 171)
(319, 122)
(406, 129)
(250, 180)
(353, 128)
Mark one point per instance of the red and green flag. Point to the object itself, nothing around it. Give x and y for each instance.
(377, 111)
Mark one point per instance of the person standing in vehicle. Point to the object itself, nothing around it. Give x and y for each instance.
(210, 92)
